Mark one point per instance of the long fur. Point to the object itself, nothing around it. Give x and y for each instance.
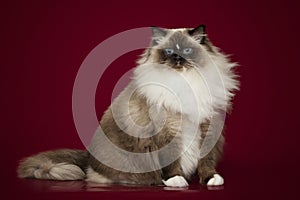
(162, 100)
(64, 164)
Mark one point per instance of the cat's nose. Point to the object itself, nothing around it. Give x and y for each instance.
(177, 58)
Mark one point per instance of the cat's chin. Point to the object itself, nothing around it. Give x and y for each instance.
(177, 67)
(180, 67)
(173, 66)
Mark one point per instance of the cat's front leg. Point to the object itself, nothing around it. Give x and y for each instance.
(173, 176)
(207, 166)
(208, 174)
(170, 139)
(172, 173)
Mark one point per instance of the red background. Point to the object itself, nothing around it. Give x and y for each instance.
(44, 43)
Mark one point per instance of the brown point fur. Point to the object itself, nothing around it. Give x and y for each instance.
(140, 115)
(207, 164)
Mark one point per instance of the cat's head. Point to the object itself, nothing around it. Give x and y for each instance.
(179, 48)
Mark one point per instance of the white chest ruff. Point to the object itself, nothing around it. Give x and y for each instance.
(184, 92)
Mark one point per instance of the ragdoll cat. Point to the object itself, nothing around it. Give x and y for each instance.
(160, 129)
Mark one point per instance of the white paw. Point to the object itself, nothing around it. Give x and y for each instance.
(216, 180)
(176, 181)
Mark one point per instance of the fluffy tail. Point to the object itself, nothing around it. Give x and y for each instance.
(64, 164)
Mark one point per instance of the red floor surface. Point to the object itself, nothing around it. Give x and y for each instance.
(240, 183)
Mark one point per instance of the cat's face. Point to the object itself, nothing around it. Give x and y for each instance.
(180, 48)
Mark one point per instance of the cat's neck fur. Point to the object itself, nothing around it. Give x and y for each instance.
(195, 93)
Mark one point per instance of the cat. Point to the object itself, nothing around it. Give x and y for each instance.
(160, 129)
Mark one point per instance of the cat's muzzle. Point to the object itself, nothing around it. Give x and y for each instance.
(177, 61)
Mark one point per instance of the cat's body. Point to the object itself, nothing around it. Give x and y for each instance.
(155, 130)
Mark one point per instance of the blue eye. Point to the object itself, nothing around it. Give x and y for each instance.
(187, 51)
(169, 51)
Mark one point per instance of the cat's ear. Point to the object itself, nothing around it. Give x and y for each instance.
(199, 33)
(157, 34)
